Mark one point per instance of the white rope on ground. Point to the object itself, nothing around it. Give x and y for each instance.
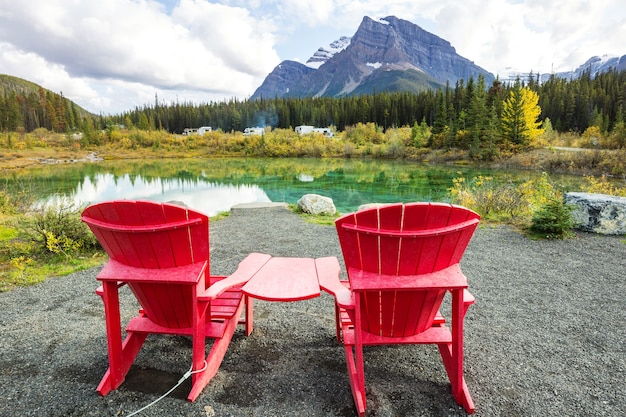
(180, 381)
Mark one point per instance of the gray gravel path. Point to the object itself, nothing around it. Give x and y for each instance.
(545, 338)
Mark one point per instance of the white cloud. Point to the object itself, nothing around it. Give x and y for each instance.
(533, 35)
(33, 67)
(110, 56)
(205, 47)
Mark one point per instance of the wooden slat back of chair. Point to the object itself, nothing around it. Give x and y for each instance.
(404, 239)
(150, 235)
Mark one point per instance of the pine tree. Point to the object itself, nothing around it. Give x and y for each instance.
(12, 118)
(477, 117)
(441, 114)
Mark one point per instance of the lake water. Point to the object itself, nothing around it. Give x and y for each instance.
(215, 185)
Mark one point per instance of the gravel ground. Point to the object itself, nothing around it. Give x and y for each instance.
(545, 338)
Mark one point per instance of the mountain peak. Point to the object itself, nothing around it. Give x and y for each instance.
(385, 54)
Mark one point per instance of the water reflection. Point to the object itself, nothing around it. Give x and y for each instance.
(210, 197)
(215, 185)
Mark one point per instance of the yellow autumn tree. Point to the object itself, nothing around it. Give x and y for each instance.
(520, 114)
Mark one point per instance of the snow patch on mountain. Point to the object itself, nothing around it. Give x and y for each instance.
(324, 54)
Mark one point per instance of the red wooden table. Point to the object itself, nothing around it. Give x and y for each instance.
(286, 279)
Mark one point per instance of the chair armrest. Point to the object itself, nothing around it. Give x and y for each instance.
(246, 270)
(328, 270)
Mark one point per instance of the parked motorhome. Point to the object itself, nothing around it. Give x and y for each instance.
(324, 131)
(303, 130)
(253, 131)
(200, 131)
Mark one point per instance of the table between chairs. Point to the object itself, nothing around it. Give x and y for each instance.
(285, 279)
(291, 279)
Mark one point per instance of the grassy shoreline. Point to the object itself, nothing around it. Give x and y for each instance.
(574, 161)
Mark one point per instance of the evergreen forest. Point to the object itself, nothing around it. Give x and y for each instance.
(469, 115)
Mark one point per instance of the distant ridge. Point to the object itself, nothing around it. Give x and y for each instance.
(594, 65)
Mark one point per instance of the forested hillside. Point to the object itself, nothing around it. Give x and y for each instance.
(26, 105)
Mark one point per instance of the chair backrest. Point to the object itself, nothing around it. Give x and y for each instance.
(149, 235)
(400, 240)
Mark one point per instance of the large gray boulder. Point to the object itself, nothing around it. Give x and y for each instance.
(598, 213)
(317, 204)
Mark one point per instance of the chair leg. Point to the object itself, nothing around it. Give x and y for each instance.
(452, 354)
(216, 355)
(120, 364)
(354, 359)
(249, 314)
(121, 355)
(357, 379)
(338, 323)
(464, 399)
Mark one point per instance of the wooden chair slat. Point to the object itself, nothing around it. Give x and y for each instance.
(368, 244)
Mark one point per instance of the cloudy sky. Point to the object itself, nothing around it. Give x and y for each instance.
(112, 55)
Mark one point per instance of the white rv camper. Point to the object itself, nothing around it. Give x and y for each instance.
(248, 131)
(304, 130)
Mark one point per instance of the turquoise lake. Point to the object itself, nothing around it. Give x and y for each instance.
(215, 185)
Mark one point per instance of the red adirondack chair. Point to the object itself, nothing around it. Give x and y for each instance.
(401, 259)
(161, 251)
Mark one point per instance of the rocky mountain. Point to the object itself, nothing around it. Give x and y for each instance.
(388, 54)
(283, 79)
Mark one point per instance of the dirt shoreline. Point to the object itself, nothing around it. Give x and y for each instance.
(546, 337)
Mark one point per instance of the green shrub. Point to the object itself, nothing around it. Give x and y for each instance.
(553, 220)
(57, 229)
